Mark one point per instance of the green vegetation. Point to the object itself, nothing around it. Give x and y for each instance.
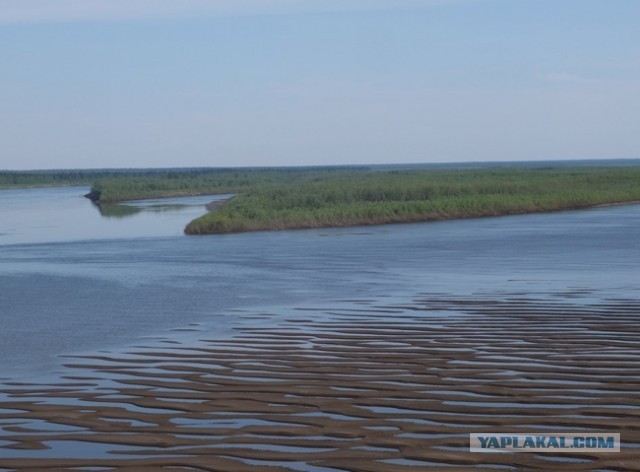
(58, 178)
(175, 183)
(287, 198)
(69, 177)
(351, 198)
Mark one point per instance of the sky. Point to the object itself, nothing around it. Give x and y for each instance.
(221, 83)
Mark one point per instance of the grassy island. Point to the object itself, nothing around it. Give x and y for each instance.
(313, 197)
(351, 198)
(291, 198)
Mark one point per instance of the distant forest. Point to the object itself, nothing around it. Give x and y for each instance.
(66, 177)
(123, 184)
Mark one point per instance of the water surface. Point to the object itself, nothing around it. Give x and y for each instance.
(73, 280)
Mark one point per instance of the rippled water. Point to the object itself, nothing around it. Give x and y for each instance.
(73, 280)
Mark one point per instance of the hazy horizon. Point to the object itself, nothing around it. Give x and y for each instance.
(262, 83)
(472, 164)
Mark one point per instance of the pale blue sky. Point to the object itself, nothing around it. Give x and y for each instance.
(160, 83)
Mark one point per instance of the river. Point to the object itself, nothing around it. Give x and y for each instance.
(72, 280)
(119, 333)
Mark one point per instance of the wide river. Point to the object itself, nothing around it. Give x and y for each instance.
(126, 344)
(75, 280)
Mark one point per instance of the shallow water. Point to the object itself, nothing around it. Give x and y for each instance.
(309, 350)
(72, 280)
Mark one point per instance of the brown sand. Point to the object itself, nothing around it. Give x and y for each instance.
(369, 388)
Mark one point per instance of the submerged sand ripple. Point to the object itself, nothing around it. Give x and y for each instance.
(366, 387)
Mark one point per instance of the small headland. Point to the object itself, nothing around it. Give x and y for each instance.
(384, 197)
(271, 199)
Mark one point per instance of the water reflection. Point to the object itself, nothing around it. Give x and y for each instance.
(64, 214)
(123, 210)
(116, 210)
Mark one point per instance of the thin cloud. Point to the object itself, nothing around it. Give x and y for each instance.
(36, 11)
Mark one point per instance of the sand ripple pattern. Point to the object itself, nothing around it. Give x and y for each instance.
(363, 385)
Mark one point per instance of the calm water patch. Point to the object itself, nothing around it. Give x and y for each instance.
(74, 280)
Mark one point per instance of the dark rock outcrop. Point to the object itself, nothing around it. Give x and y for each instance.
(94, 195)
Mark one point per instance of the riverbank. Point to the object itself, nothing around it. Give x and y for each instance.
(368, 386)
(373, 198)
(194, 227)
